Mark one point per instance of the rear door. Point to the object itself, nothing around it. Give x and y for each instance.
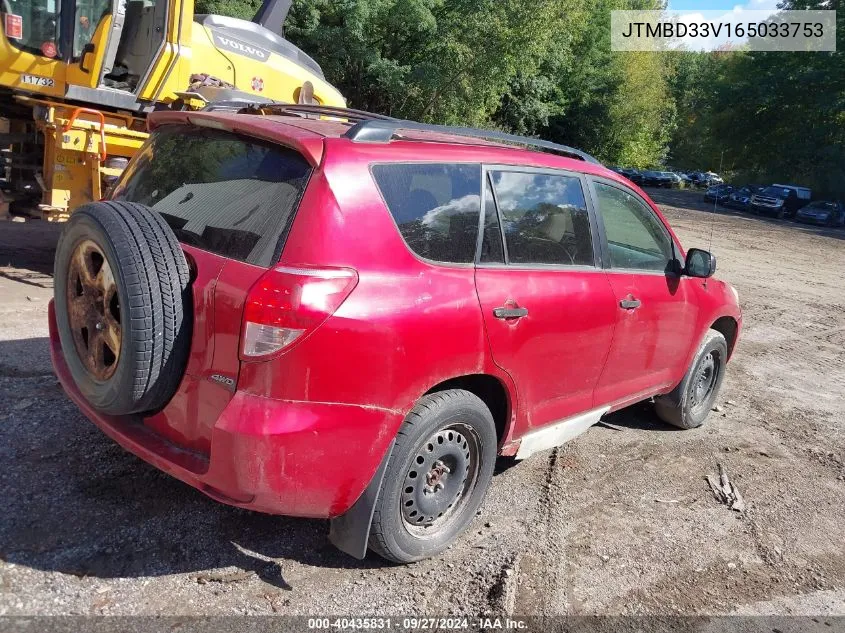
(655, 315)
(548, 308)
(230, 200)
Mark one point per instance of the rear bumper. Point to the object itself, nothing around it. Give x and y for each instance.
(276, 456)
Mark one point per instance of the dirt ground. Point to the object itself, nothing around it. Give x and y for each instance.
(619, 521)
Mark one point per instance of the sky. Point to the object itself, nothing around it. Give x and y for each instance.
(720, 5)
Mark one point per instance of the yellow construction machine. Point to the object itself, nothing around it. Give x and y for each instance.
(78, 77)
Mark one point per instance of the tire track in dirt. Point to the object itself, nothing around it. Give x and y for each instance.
(541, 571)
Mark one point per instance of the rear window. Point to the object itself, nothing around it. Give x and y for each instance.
(218, 191)
(436, 206)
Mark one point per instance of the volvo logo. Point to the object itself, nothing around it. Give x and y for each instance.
(241, 47)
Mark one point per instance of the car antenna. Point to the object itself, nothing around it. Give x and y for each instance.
(715, 203)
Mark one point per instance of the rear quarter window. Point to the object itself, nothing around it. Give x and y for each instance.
(232, 195)
(437, 207)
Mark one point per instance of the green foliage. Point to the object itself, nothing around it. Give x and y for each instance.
(769, 117)
(545, 68)
(243, 9)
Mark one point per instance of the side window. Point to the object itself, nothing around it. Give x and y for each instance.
(636, 238)
(545, 218)
(491, 242)
(436, 207)
(88, 16)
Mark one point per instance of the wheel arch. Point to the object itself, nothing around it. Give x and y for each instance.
(350, 531)
(492, 392)
(728, 327)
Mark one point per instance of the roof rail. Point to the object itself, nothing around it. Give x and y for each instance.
(380, 130)
(301, 109)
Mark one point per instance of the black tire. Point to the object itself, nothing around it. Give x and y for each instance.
(154, 306)
(450, 416)
(687, 406)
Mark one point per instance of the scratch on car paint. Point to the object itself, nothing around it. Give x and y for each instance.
(307, 381)
(366, 407)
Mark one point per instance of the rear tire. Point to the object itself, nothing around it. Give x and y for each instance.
(423, 507)
(689, 404)
(123, 306)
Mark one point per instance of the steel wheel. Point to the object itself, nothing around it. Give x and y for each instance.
(440, 479)
(705, 380)
(94, 310)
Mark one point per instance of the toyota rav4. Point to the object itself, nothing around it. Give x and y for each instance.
(326, 313)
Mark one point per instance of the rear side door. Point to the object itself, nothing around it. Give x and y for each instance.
(547, 305)
(655, 311)
(230, 200)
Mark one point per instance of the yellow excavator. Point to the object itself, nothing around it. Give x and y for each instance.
(78, 77)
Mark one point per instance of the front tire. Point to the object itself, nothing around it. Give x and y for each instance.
(438, 474)
(689, 404)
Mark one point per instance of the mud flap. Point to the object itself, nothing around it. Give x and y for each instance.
(350, 532)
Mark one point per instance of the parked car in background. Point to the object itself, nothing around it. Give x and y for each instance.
(685, 179)
(705, 178)
(199, 322)
(650, 178)
(718, 193)
(634, 175)
(711, 178)
(824, 212)
(780, 200)
(628, 172)
(741, 197)
(657, 179)
(673, 180)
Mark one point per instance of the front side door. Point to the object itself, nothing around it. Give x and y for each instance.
(92, 22)
(656, 317)
(548, 308)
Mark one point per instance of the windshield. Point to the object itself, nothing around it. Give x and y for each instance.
(33, 25)
(777, 192)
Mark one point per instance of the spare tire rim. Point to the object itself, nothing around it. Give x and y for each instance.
(440, 479)
(94, 310)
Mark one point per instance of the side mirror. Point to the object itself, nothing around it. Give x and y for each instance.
(699, 263)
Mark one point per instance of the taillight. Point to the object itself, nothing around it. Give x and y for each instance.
(287, 303)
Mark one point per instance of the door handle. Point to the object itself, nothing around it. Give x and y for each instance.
(88, 48)
(630, 303)
(510, 313)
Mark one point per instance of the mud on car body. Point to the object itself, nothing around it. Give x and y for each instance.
(352, 319)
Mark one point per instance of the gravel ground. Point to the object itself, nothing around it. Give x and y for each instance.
(619, 521)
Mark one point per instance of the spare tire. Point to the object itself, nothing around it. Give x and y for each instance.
(123, 306)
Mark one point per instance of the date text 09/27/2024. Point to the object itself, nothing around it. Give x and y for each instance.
(417, 624)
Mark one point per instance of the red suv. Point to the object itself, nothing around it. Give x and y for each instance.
(351, 317)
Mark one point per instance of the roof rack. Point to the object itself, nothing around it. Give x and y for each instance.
(370, 127)
(376, 129)
(301, 109)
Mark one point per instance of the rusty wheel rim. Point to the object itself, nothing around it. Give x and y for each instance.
(94, 310)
